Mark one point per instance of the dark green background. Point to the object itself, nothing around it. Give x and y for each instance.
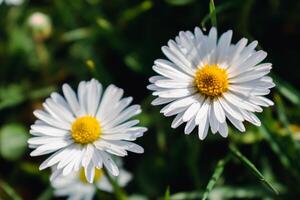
(123, 38)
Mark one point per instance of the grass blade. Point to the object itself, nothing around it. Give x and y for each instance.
(215, 177)
(287, 90)
(9, 191)
(252, 167)
(167, 194)
(212, 12)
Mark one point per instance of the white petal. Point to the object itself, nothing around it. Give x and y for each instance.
(71, 99)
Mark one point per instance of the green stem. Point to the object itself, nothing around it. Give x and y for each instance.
(215, 177)
(118, 191)
(252, 167)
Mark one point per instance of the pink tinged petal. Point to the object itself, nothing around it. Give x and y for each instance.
(45, 117)
(109, 164)
(203, 127)
(218, 111)
(223, 129)
(72, 99)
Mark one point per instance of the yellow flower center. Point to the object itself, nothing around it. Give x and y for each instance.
(86, 130)
(98, 175)
(211, 80)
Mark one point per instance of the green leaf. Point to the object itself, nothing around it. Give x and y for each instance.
(132, 61)
(280, 150)
(135, 11)
(167, 194)
(179, 2)
(287, 90)
(13, 141)
(212, 12)
(9, 191)
(215, 177)
(252, 167)
(11, 95)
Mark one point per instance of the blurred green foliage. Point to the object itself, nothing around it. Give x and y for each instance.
(116, 42)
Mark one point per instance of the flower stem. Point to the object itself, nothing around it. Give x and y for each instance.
(119, 193)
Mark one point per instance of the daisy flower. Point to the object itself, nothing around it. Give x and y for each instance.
(84, 130)
(207, 82)
(76, 187)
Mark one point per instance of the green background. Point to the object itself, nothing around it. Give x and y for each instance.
(123, 38)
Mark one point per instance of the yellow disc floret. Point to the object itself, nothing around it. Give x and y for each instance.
(98, 175)
(211, 80)
(85, 130)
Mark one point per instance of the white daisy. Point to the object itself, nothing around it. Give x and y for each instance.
(84, 130)
(76, 187)
(12, 2)
(208, 81)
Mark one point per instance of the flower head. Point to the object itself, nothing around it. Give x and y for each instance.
(40, 26)
(207, 81)
(84, 130)
(75, 185)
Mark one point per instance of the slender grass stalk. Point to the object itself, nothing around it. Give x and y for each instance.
(167, 194)
(215, 177)
(9, 191)
(212, 12)
(252, 167)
